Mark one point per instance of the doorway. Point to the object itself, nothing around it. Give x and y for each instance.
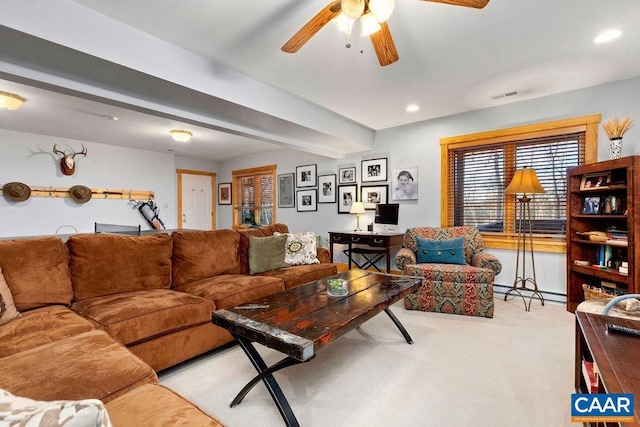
(196, 207)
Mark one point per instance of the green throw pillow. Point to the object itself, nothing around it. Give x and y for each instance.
(266, 253)
(441, 251)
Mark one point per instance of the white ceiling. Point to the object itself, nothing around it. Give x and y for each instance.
(452, 59)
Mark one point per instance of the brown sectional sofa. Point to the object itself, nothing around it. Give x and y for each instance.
(102, 313)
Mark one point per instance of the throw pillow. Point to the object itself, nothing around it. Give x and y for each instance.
(20, 411)
(441, 251)
(266, 253)
(300, 248)
(8, 310)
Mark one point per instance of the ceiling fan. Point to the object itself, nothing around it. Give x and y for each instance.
(373, 15)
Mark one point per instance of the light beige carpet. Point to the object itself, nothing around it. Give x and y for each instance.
(513, 370)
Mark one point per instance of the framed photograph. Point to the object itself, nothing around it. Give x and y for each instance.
(285, 191)
(306, 176)
(592, 205)
(404, 182)
(307, 200)
(347, 194)
(371, 195)
(374, 170)
(347, 175)
(595, 180)
(224, 193)
(327, 188)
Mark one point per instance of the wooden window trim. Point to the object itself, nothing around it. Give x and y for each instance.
(243, 173)
(587, 124)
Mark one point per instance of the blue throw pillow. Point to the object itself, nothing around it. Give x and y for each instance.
(441, 251)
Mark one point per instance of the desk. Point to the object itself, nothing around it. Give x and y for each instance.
(385, 241)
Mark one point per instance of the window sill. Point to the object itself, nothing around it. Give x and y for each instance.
(540, 244)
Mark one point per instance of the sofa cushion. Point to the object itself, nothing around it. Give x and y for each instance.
(21, 411)
(299, 274)
(41, 326)
(445, 251)
(136, 316)
(8, 310)
(300, 248)
(451, 273)
(91, 365)
(105, 264)
(201, 254)
(266, 253)
(229, 290)
(27, 262)
(263, 231)
(156, 405)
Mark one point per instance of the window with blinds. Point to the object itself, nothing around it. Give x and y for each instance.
(477, 168)
(479, 175)
(254, 196)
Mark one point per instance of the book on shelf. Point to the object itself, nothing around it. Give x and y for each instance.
(590, 374)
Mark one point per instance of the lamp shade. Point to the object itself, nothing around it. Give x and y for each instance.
(525, 181)
(357, 208)
(10, 101)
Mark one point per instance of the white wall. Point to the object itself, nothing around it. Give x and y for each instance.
(27, 158)
(418, 145)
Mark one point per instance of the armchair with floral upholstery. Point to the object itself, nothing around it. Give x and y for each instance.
(463, 288)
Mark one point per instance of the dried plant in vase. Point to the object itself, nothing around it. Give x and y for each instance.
(614, 129)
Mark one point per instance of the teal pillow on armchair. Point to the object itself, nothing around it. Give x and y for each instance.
(440, 251)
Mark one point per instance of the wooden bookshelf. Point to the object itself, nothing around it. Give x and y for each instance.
(617, 207)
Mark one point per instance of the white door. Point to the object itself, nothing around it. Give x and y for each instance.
(196, 202)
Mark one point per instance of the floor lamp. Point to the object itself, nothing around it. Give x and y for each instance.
(525, 181)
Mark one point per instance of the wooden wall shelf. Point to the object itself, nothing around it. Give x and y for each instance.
(97, 193)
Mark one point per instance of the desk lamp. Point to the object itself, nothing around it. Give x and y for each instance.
(357, 208)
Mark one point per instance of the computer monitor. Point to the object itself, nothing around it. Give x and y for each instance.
(387, 213)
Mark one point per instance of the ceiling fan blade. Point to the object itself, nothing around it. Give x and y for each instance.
(384, 46)
(478, 4)
(312, 27)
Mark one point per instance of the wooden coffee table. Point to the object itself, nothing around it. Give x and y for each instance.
(302, 320)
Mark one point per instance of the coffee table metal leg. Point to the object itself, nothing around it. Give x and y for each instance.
(266, 375)
(404, 332)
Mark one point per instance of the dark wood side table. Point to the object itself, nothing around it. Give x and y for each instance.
(385, 241)
(617, 356)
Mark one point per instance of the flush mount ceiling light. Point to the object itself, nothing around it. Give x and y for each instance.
(10, 101)
(607, 36)
(412, 108)
(180, 135)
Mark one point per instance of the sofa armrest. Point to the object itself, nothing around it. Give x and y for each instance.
(484, 259)
(324, 255)
(405, 256)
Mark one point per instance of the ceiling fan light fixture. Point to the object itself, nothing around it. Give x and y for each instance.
(10, 101)
(381, 9)
(368, 25)
(353, 9)
(180, 135)
(344, 23)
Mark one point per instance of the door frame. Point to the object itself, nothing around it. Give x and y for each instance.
(214, 195)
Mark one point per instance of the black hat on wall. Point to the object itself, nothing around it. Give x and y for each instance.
(80, 193)
(16, 191)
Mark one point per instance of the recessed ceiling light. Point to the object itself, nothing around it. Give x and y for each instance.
(107, 117)
(607, 36)
(412, 108)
